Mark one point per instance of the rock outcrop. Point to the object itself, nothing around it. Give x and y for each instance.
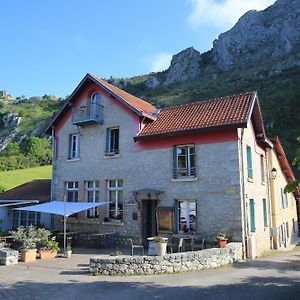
(262, 36)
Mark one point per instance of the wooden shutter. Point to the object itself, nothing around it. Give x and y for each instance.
(252, 215)
(265, 212)
(70, 147)
(176, 216)
(107, 140)
(249, 162)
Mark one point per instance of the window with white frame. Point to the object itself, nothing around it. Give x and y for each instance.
(25, 218)
(184, 161)
(112, 141)
(74, 146)
(72, 191)
(187, 215)
(283, 200)
(92, 196)
(115, 197)
(95, 105)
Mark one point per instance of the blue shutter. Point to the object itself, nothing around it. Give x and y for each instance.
(70, 147)
(107, 140)
(78, 145)
(252, 215)
(176, 217)
(265, 212)
(249, 162)
(175, 172)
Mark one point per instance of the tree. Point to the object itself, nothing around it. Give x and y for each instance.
(39, 148)
(12, 149)
(296, 162)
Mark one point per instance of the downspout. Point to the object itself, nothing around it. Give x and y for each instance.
(245, 227)
(269, 196)
(53, 179)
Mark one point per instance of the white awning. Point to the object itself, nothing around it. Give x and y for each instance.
(61, 208)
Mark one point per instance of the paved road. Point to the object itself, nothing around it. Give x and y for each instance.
(276, 277)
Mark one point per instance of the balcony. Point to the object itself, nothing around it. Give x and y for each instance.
(84, 115)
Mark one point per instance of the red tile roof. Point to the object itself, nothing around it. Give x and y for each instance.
(284, 163)
(137, 103)
(39, 189)
(231, 111)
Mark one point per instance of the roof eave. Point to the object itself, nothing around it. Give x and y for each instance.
(190, 131)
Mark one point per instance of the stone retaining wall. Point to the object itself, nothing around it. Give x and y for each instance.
(170, 263)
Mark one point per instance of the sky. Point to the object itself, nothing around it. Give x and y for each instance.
(47, 46)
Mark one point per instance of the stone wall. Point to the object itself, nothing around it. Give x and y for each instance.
(170, 263)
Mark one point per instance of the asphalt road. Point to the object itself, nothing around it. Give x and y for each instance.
(274, 277)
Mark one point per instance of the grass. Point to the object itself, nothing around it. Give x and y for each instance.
(11, 179)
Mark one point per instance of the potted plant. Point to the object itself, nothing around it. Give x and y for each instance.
(222, 239)
(161, 245)
(68, 251)
(27, 240)
(50, 250)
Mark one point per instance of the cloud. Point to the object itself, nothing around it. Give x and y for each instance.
(160, 61)
(222, 14)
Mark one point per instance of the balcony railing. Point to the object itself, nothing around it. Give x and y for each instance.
(184, 172)
(92, 114)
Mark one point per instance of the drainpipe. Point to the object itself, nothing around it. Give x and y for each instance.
(53, 179)
(268, 187)
(245, 227)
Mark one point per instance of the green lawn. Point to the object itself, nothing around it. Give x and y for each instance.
(11, 179)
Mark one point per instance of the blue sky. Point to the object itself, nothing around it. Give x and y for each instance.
(47, 46)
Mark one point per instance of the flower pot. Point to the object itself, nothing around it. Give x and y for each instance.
(68, 253)
(222, 243)
(46, 254)
(28, 255)
(161, 249)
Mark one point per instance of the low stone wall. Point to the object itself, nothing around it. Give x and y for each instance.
(170, 263)
(8, 256)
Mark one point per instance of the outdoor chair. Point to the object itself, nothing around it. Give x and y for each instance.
(175, 243)
(133, 246)
(3, 243)
(198, 243)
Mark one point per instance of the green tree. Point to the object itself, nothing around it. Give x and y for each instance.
(39, 148)
(12, 149)
(296, 162)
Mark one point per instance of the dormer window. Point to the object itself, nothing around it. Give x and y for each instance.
(89, 113)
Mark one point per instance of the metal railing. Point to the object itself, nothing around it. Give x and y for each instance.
(87, 114)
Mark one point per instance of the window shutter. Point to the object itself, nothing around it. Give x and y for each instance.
(70, 147)
(78, 145)
(107, 140)
(280, 198)
(249, 162)
(265, 212)
(252, 215)
(176, 216)
(175, 173)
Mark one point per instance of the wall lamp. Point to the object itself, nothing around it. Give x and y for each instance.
(274, 173)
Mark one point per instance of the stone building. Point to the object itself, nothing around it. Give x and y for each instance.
(197, 168)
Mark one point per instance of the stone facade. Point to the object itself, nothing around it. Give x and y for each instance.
(170, 263)
(8, 256)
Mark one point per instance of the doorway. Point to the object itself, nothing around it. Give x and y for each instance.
(149, 225)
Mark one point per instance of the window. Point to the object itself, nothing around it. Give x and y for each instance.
(186, 216)
(92, 195)
(95, 105)
(282, 198)
(115, 197)
(25, 218)
(252, 215)
(112, 141)
(287, 230)
(184, 161)
(72, 191)
(265, 213)
(262, 169)
(73, 146)
(249, 162)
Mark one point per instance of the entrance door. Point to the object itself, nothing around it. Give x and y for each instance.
(149, 220)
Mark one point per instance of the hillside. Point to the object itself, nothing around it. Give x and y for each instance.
(11, 179)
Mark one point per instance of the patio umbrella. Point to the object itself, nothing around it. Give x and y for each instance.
(62, 208)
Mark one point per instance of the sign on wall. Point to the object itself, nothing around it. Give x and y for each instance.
(165, 219)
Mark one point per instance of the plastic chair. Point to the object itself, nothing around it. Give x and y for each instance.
(133, 246)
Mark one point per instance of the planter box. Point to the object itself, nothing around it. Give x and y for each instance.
(28, 255)
(156, 248)
(47, 254)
